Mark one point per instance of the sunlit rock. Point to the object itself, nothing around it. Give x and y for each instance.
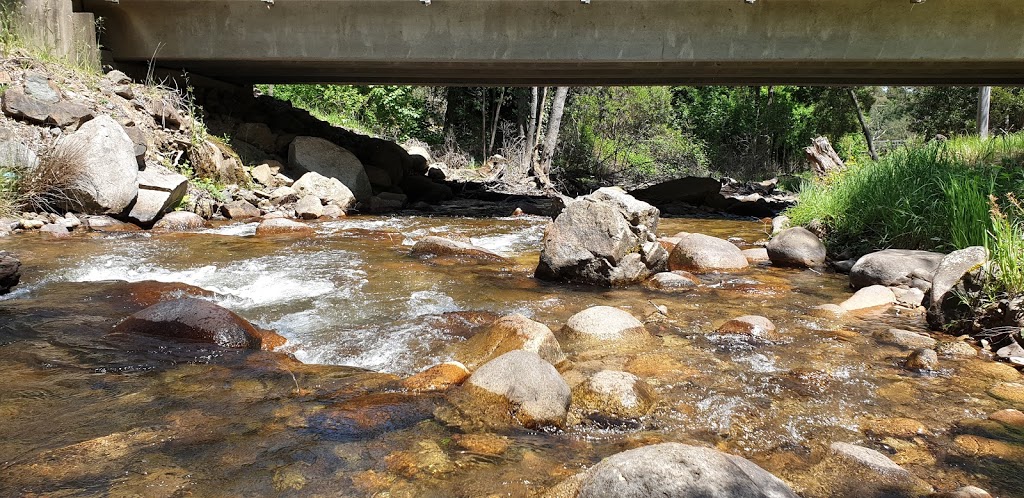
(278, 226)
(673, 469)
(701, 253)
(510, 333)
(604, 324)
(895, 267)
(923, 359)
(875, 296)
(433, 245)
(904, 338)
(439, 377)
(180, 221)
(611, 398)
(796, 247)
(751, 326)
(606, 238)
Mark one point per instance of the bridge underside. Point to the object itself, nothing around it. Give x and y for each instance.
(533, 42)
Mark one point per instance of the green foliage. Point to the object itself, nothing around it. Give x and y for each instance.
(390, 111)
(9, 17)
(754, 132)
(932, 196)
(626, 134)
(853, 148)
(952, 111)
(1006, 247)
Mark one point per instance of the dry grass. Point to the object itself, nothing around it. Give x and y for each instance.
(50, 186)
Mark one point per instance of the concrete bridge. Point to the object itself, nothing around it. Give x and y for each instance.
(523, 42)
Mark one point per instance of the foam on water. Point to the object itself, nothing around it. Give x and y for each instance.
(236, 230)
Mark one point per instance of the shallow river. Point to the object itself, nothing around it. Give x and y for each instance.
(88, 413)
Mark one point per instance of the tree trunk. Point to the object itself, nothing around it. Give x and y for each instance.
(984, 103)
(451, 97)
(551, 140)
(864, 125)
(823, 157)
(497, 114)
(483, 123)
(531, 131)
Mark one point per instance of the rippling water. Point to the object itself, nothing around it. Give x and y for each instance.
(92, 413)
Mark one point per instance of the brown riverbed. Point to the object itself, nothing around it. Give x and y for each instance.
(89, 413)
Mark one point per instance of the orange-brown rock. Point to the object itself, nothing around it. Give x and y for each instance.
(1009, 417)
(193, 320)
(750, 325)
(483, 444)
(372, 414)
(438, 377)
(270, 340)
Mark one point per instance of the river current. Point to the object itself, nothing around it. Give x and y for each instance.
(89, 413)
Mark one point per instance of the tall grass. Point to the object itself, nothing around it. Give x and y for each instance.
(1006, 245)
(928, 196)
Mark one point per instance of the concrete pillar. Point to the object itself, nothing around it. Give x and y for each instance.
(51, 27)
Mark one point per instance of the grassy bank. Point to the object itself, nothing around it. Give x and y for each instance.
(934, 196)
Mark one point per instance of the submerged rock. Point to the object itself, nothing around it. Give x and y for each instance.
(895, 267)
(516, 388)
(753, 326)
(697, 252)
(860, 471)
(606, 238)
(438, 377)
(10, 272)
(372, 414)
(673, 281)
(194, 320)
(796, 247)
(923, 359)
(673, 469)
(904, 338)
(439, 246)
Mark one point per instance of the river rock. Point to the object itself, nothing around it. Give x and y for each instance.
(673, 470)
(10, 272)
(691, 190)
(911, 297)
(439, 377)
(859, 471)
(796, 247)
(1009, 417)
(1012, 392)
(699, 253)
(518, 387)
(257, 134)
(923, 359)
(751, 326)
(895, 267)
(194, 320)
(239, 210)
(327, 159)
(904, 338)
(756, 255)
(482, 444)
(964, 492)
(869, 297)
(108, 224)
(510, 333)
(780, 223)
(56, 230)
(160, 189)
(606, 238)
(957, 271)
(278, 226)
(388, 156)
(433, 245)
(180, 221)
(613, 397)
(421, 188)
(955, 349)
(371, 414)
(283, 195)
(329, 190)
(264, 175)
(102, 167)
(309, 207)
(672, 281)
(604, 324)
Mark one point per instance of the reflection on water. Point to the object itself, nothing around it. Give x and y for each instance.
(88, 413)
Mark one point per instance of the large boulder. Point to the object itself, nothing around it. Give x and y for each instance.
(858, 471)
(510, 333)
(605, 238)
(193, 320)
(239, 210)
(320, 156)
(691, 190)
(895, 267)
(950, 280)
(330, 190)
(674, 469)
(421, 188)
(874, 296)
(796, 247)
(697, 252)
(214, 160)
(516, 388)
(386, 156)
(160, 189)
(101, 161)
(10, 272)
(18, 156)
